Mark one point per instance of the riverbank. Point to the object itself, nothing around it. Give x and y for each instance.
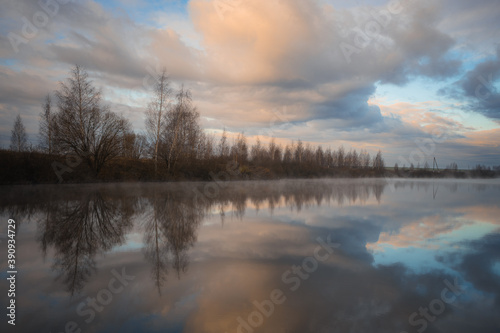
(40, 168)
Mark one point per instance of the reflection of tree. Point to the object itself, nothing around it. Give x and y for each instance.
(296, 194)
(78, 230)
(170, 232)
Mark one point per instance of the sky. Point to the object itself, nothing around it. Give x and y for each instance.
(415, 79)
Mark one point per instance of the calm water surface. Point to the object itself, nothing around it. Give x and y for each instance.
(281, 256)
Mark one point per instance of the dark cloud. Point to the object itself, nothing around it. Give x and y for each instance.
(351, 110)
(478, 266)
(478, 88)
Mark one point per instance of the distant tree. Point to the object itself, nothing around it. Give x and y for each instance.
(452, 167)
(135, 145)
(348, 159)
(412, 167)
(84, 126)
(278, 154)
(271, 150)
(206, 146)
(223, 148)
(239, 150)
(156, 113)
(329, 158)
(396, 168)
(319, 156)
(299, 152)
(257, 152)
(341, 157)
(356, 162)
(378, 162)
(426, 166)
(46, 127)
(287, 155)
(365, 159)
(18, 139)
(335, 159)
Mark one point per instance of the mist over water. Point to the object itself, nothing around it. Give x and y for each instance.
(409, 256)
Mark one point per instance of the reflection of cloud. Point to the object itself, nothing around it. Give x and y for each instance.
(481, 213)
(420, 233)
(242, 261)
(479, 266)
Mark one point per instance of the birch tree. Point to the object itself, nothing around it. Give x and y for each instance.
(18, 139)
(156, 113)
(46, 129)
(182, 132)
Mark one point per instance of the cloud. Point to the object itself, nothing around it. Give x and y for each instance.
(257, 59)
(478, 87)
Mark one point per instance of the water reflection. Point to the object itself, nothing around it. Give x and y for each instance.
(78, 230)
(169, 232)
(202, 255)
(79, 222)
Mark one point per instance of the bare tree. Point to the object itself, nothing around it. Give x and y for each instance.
(257, 152)
(299, 152)
(157, 111)
(182, 132)
(378, 162)
(84, 126)
(239, 150)
(329, 158)
(46, 129)
(134, 145)
(18, 140)
(206, 146)
(365, 159)
(271, 150)
(341, 157)
(288, 154)
(319, 156)
(223, 148)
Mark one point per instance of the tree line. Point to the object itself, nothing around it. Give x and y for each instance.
(78, 122)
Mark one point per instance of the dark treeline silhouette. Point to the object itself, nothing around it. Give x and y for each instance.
(81, 140)
(451, 171)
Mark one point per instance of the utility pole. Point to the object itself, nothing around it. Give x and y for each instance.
(435, 166)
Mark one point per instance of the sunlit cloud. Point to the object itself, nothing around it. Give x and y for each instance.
(255, 59)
